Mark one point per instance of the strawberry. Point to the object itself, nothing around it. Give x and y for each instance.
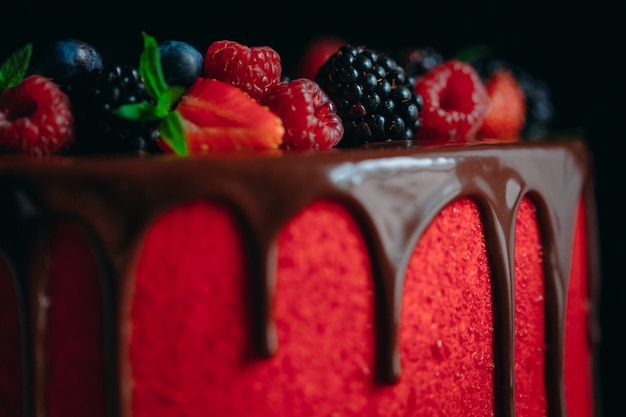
(219, 116)
(309, 116)
(35, 117)
(315, 54)
(254, 70)
(506, 114)
(455, 103)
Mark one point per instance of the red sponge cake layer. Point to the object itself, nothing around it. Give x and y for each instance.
(530, 337)
(73, 376)
(323, 308)
(11, 366)
(578, 358)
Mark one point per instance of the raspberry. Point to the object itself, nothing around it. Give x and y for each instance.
(455, 103)
(254, 70)
(35, 117)
(309, 116)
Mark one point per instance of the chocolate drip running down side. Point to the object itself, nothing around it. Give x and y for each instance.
(394, 192)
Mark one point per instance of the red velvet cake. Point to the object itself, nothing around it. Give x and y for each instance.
(306, 259)
(405, 281)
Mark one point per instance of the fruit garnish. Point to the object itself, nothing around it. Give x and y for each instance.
(539, 106)
(219, 116)
(210, 115)
(66, 58)
(417, 61)
(455, 103)
(507, 107)
(35, 117)
(374, 97)
(181, 62)
(315, 54)
(537, 97)
(309, 116)
(255, 70)
(95, 98)
(14, 68)
(165, 98)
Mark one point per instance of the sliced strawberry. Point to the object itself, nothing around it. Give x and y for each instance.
(455, 103)
(506, 115)
(315, 54)
(254, 70)
(35, 117)
(219, 116)
(309, 116)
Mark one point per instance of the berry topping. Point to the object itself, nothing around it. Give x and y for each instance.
(66, 58)
(308, 115)
(35, 117)
(181, 63)
(455, 103)
(95, 97)
(418, 61)
(507, 107)
(254, 70)
(374, 97)
(219, 116)
(538, 101)
(539, 107)
(315, 54)
(233, 97)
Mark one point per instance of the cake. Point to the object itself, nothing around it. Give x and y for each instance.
(394, 278)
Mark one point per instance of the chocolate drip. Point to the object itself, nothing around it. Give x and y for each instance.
(394, 192)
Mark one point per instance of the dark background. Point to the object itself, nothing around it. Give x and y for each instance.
(575, 47)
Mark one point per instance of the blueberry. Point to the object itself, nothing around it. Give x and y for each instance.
(181, 63)
(67, 58)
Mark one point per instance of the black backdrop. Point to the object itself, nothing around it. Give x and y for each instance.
(574, 47)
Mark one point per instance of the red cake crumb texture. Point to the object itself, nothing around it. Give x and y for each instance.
(178, 342)
(204, 311)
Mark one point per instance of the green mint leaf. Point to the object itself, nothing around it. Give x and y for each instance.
(168, 99)
(138, 111)
(150, 68)
(474, 53)
(172, 131)
(14, 68)
(171, 126)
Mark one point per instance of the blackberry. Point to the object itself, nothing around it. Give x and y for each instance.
(539, 106)
(418, 61)
(373, 94)
(95, 96)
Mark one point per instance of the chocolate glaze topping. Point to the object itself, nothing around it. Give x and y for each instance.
(394, 192)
